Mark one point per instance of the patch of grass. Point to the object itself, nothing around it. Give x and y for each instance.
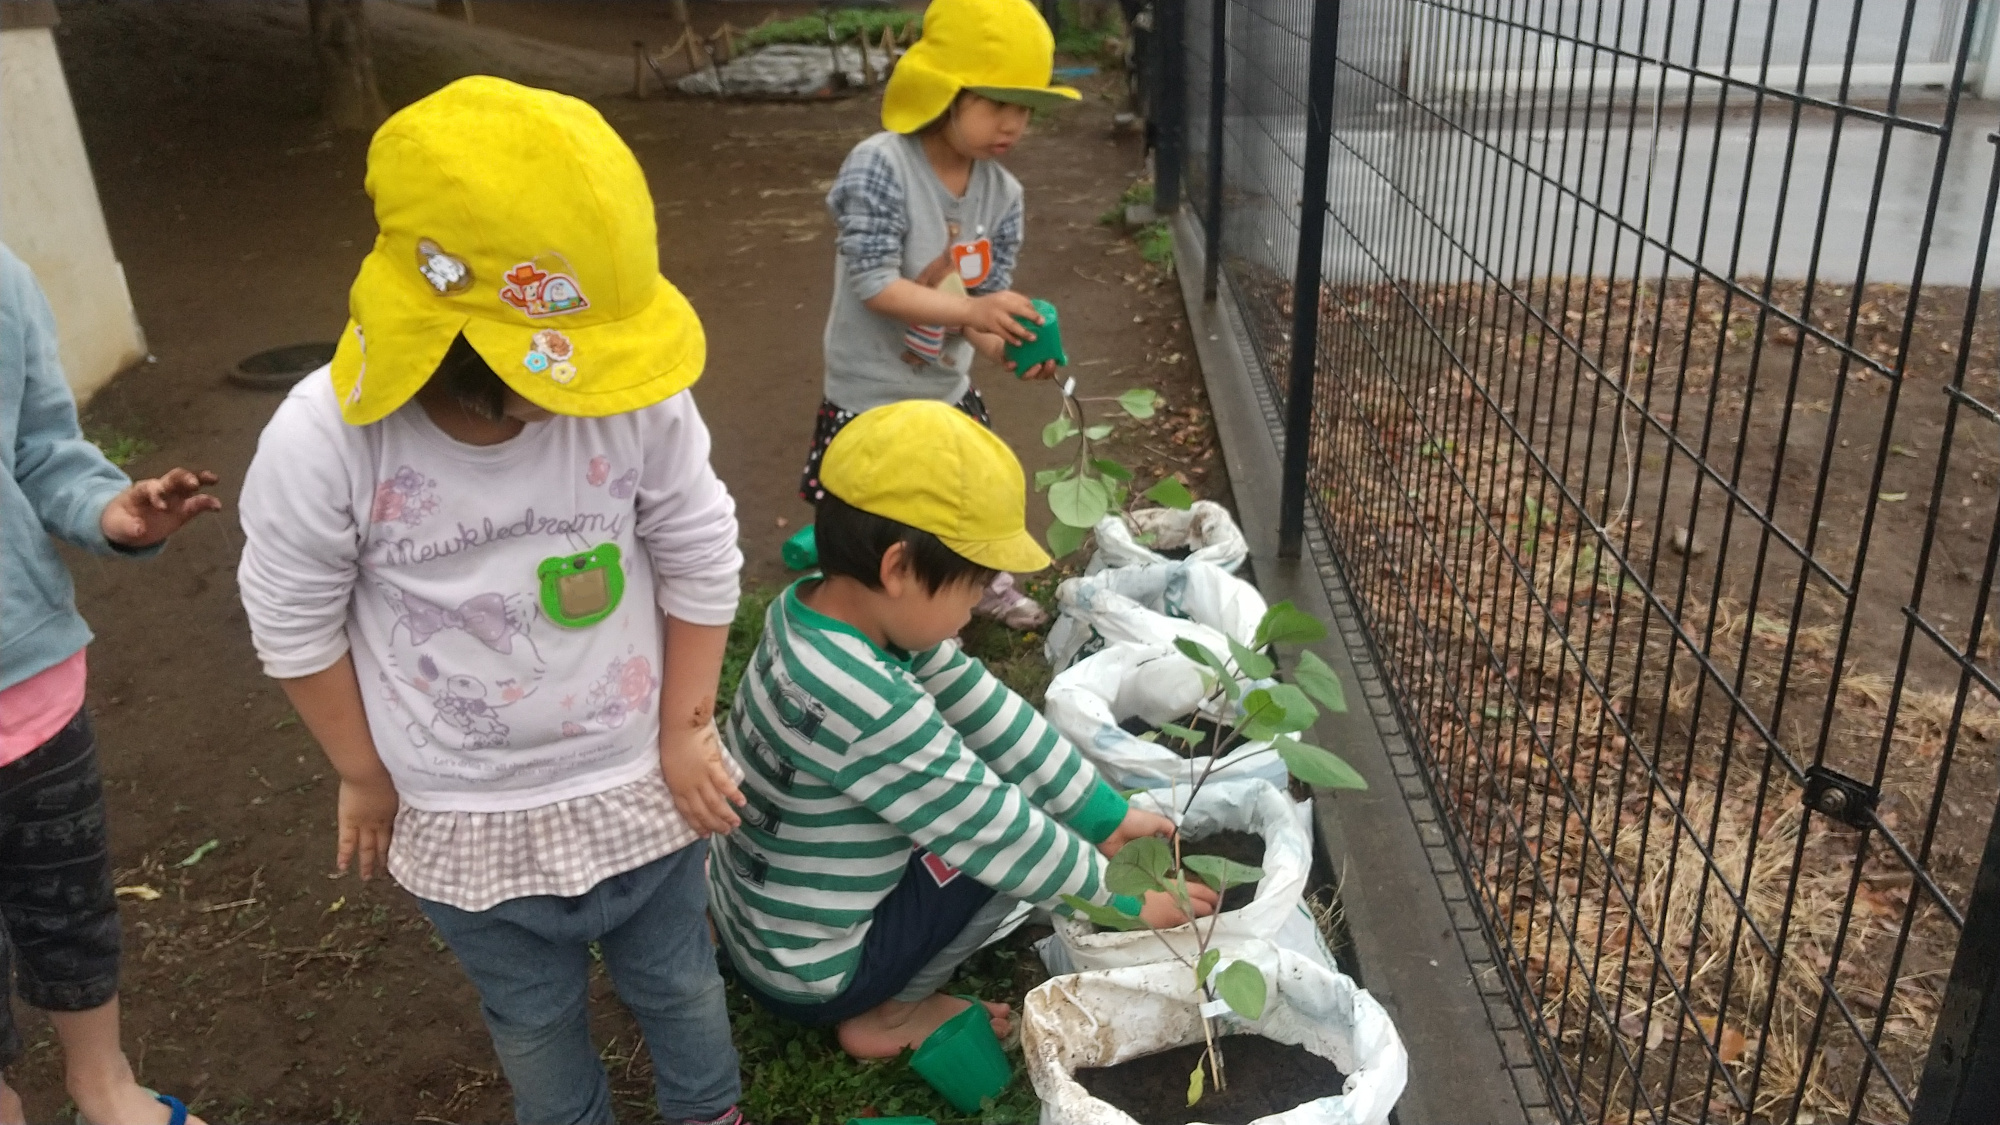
(744, 633)
(800, 1076)
(121, 449)
(1141, 191)
(1014, 657)
(1156, 244)
(846, 22)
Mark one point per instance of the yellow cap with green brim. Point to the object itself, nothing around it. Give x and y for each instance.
(1000, 49)
(926, 465)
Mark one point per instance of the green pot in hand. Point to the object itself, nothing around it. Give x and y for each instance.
(1047, 344)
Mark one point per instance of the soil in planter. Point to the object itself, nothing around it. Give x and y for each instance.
(1264, 1078)
(1243, 847)
(1211, 734)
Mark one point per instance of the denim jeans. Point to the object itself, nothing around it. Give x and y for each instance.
(530, 960)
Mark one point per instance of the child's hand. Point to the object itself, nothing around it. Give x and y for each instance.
(1161, 911)
(692, 763)
(995, 312)
(150, 510)
(1043, 370)
(1137, 823)
(367, 819)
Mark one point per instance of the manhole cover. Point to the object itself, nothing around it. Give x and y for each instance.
(279, 368)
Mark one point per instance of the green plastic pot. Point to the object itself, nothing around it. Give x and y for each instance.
(1047, 344)
(801, 551)
(962, 1060)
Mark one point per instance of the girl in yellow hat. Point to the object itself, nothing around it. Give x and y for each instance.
(487, 558)
(930, 230)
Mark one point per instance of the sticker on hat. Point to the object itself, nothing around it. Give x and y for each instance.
(360, 345)
(446, 272)
(550, 351)
(539, 292)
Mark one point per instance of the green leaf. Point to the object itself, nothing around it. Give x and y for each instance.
(1320, 682)
(1112, 469)
(1140, 402)
(1058, 431)
(1098, 432)
(1287, 624)
(1140, 866)
(1206, 966)
(1064, 538)
(1106, 917)
(199, 854)
(1196, 651)
(1048, 477)
(1220, 873)
(1242, 987)
(1315, 766)
(1170, 493)
(1275, 710)
(1255, 665)
(1195, 1082)
(1188, 735)
(1079, 501)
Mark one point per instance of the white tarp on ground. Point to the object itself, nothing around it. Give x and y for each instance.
(786, 70)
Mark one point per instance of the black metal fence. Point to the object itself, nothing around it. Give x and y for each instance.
(1630, 360)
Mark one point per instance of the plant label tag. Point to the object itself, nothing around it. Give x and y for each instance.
(1215, 1008)
(1069, 387)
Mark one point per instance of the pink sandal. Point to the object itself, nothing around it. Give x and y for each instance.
(1010, 606)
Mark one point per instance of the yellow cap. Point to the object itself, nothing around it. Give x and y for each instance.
(517, 217)
(1000, 49)
(926, 464)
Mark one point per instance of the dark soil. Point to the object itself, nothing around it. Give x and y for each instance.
(1211, 734)
(1264, 1078)
(257, 986)
(1243, 847)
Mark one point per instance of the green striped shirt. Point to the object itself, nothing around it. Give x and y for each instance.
(852, 756)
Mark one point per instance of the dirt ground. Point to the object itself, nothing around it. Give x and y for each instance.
(258, 986)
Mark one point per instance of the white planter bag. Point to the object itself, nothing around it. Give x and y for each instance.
(1154, 683)
(1206, 529)
(1152, 604)
(1246, 805)
(1109, 1017)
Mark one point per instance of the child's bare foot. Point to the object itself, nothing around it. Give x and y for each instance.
(12, 1112)
(893, 1026)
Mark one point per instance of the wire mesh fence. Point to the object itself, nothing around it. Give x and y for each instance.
(1655, 428)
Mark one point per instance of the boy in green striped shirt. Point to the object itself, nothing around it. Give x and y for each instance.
(901, 799)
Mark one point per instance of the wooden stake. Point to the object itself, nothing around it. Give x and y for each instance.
(638, 70)
(727, 33)
(867, 60)
(681, 13)
(692, 42)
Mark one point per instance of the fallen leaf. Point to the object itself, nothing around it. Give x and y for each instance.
(337, 904)
(1892, 497)
(1729, 1048)
(139, 891)
(200, 853)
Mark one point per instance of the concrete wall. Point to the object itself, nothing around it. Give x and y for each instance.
(49, 213)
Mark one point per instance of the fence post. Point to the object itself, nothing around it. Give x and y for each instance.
(1167, 103)
(1218, 96)
(1961, 1081)
(1322, 60)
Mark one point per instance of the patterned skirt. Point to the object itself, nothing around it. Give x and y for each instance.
(831, 420)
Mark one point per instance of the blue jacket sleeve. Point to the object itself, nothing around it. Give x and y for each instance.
(66, 479)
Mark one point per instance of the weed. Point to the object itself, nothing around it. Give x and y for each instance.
(1156, 244)
(1141, 191)
(744, 633)
(121, 449)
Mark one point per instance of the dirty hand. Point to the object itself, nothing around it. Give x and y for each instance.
(1162, 911)
(1137, 823)
(367, 819)
(150, 510)
(995, 312)
(691, 760)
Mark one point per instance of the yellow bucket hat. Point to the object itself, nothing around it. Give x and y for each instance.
(1000, 49)
(926, 464)
(516, 217)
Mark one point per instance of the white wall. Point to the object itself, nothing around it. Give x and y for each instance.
(49, 214)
